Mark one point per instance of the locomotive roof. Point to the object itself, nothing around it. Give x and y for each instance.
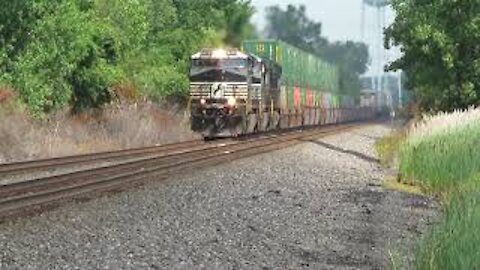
(220, 54)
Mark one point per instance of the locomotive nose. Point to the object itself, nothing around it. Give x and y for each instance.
(217, 90)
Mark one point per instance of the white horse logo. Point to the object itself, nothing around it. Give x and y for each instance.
(217, 90)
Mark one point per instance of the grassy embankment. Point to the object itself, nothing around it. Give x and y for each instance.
(116, 126)
(441, 155)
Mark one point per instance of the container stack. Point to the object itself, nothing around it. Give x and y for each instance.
(304, 76)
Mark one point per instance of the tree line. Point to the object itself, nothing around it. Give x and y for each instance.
(85, 53)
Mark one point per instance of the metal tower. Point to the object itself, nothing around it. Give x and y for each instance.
(372, 34)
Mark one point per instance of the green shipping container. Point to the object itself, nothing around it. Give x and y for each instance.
(299, 69)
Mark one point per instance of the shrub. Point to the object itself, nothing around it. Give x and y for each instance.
(63, 62)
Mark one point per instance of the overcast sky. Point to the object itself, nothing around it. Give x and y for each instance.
(341, 19)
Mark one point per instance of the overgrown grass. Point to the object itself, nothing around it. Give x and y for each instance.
(442, 160)
(454, 243)
(441, 155)
(115, 127)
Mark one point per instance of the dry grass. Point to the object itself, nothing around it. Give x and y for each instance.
(5, 95)
(387, 147)
(432, 125)
(393, 184)
(115, 127)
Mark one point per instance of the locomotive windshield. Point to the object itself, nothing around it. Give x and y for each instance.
(225, 63)
(218, 70)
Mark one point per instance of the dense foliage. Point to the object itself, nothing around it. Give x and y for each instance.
(85, 52)
(293, 26)
(441, 55)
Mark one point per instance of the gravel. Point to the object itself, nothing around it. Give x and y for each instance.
(318, 205)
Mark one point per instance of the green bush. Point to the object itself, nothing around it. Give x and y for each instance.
(75, 52)
(64, 62)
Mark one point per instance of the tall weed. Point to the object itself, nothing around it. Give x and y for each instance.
(112, 128)
(454, 243)
(442, 151)
(441, 154)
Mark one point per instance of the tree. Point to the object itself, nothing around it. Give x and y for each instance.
(78, 53)
(294, 27)
(352, 59)
(238, 27)
(439, 41)
(61, 60)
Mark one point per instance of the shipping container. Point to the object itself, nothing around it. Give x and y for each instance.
(299, 69)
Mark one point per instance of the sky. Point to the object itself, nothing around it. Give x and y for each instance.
(341, 20)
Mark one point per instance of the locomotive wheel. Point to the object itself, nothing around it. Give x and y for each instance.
(275, 121)
(242, 127)
(318, 116)
(292, 119)
(306, 117)
(284, 124)
(252, 122)
(299, 120)
(313, 116)
(263, 122)
(220, 124)
(236, 127)
(340, 116)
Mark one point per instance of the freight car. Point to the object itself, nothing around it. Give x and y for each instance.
(267, 85)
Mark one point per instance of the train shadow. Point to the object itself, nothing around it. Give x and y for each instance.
(345, 151)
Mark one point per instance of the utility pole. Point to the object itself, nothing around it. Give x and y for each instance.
(400, 94)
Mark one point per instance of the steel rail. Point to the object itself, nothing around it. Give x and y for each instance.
(51, 181)
(23, 167)
(44, 191)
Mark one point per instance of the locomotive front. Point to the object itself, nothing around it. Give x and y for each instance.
(219, 89)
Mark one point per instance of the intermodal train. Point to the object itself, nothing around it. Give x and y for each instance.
(266, 85)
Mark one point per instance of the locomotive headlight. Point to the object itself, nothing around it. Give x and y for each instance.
(232, 101)
(203, 101)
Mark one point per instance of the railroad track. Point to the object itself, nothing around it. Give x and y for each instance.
(25, 167)
(36, 194)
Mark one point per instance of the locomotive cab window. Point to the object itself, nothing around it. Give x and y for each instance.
(220, 63)
(219, 70)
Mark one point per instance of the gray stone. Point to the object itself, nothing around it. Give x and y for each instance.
(318, 205)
